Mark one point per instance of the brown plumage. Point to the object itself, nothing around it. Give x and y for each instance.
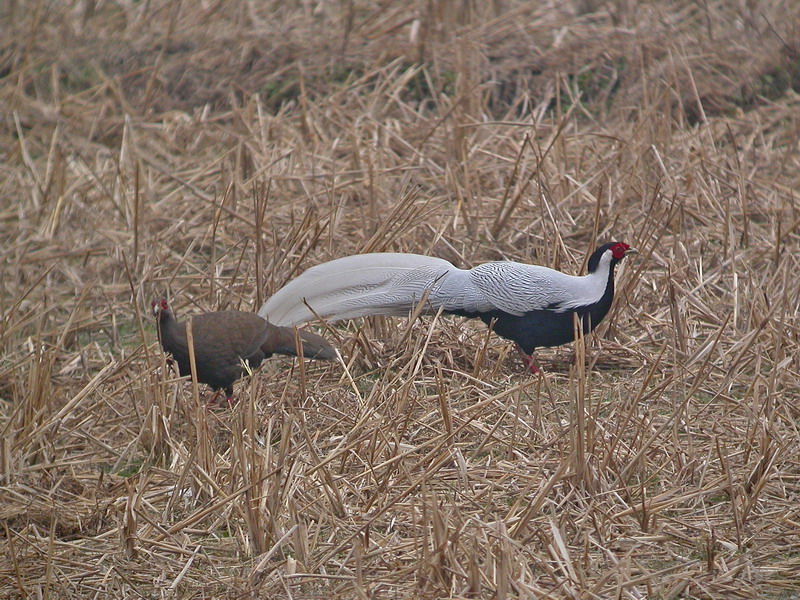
(223, 339)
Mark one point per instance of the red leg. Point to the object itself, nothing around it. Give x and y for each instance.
(229, 396)
(528, 359)
(213, 402)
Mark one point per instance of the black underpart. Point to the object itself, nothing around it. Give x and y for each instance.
(544, 328)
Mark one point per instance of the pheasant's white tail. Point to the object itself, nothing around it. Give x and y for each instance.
(356, 286)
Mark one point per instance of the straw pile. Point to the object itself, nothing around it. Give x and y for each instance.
(212, 150)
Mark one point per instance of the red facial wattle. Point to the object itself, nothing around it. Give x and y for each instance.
(159, 306)
(619, 250)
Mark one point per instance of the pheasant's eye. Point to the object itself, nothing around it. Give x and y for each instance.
(164, 304)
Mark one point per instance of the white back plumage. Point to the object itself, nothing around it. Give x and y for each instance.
(393, 284)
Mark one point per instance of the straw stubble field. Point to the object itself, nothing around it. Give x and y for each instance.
(213, 150)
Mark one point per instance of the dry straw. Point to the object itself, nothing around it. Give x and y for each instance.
(212, 151)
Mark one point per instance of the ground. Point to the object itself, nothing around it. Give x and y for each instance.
(210, 151)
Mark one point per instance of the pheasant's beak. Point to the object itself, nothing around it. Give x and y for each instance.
(156, 310)
(631, 251)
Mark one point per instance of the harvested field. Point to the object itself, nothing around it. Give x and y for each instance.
(210, 151)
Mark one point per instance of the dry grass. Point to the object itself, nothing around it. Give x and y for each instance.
(212, 150)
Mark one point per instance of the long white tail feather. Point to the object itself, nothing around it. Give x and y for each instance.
(356, 286)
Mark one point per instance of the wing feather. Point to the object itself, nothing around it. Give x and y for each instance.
(517, 288)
